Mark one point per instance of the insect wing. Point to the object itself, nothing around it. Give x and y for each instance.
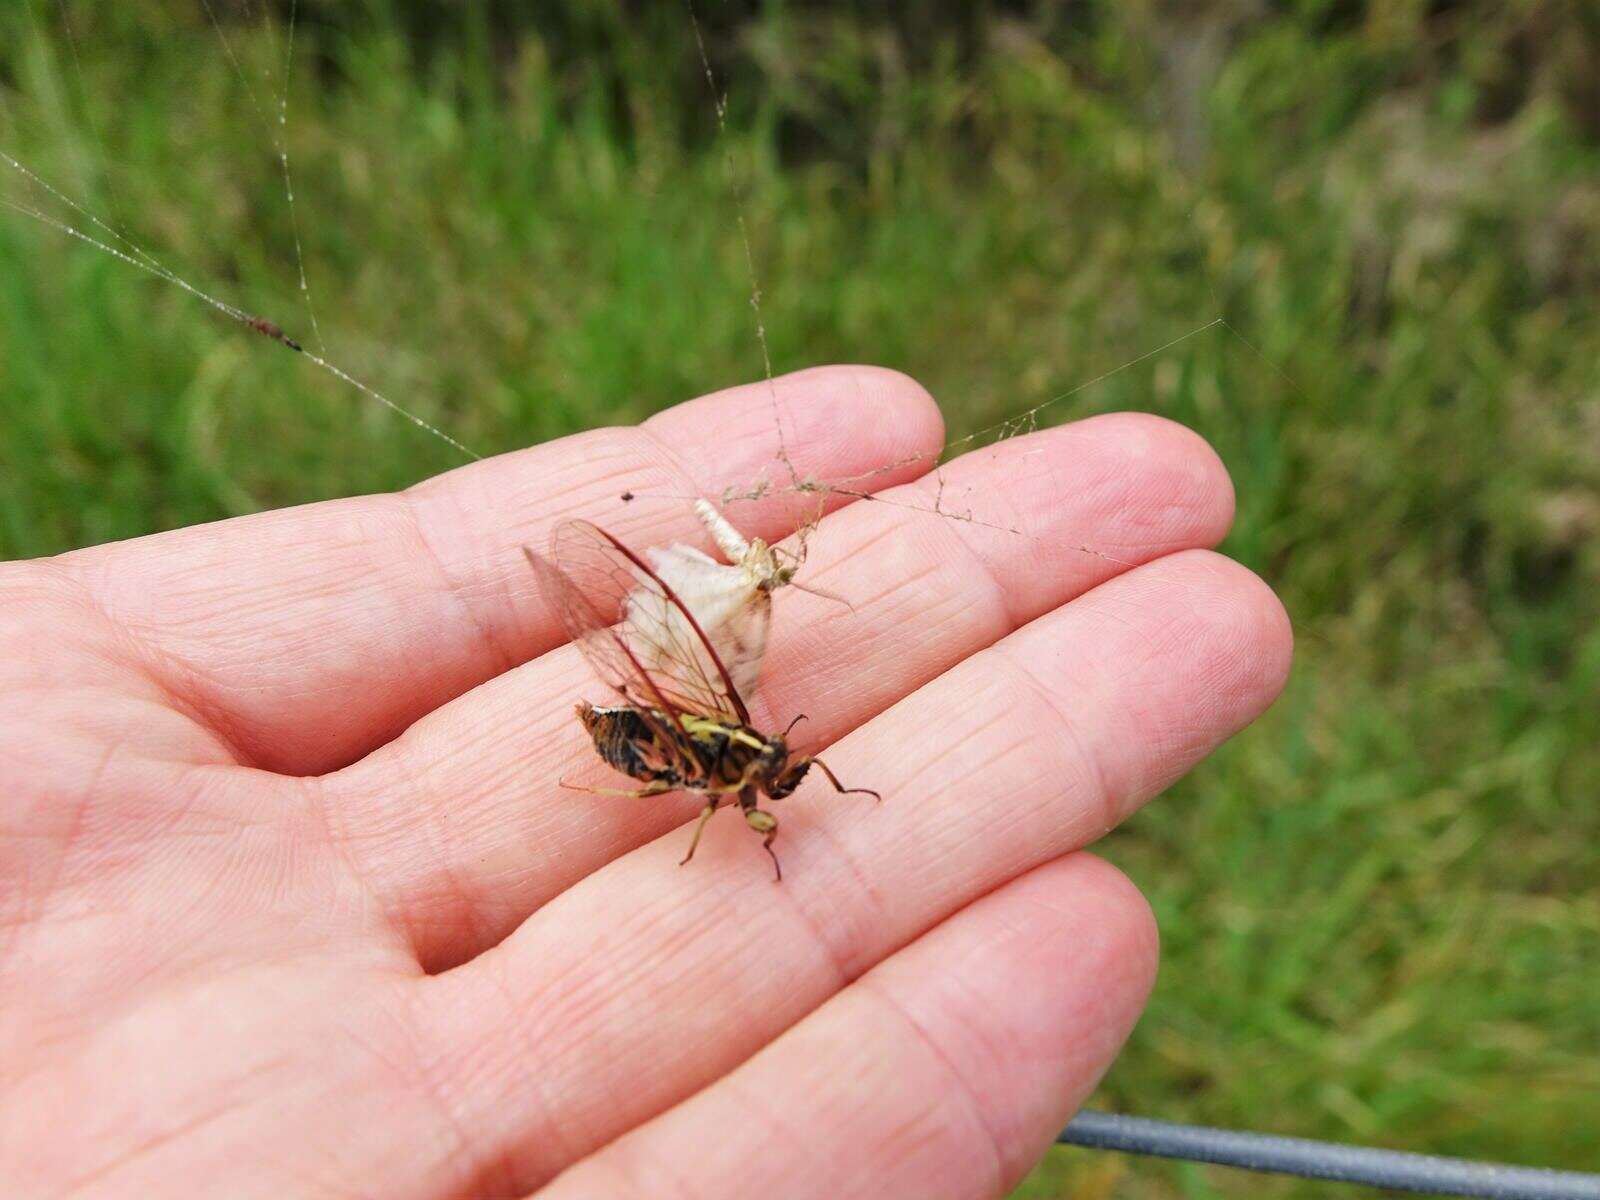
(732, 608)
(590, 630)
(633, 628)
(608, 653)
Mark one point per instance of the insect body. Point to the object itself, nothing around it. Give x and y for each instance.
(731, 602)
(682, 723)
(723, 756)
(267, 329)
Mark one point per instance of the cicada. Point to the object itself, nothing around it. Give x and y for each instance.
(682, 723)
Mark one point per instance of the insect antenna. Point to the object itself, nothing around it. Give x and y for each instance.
(795, 559)
(824, 593)
(839, 787)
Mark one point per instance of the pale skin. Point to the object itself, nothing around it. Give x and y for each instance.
(292, 903)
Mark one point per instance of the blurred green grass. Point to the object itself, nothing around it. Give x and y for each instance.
(1379, 906)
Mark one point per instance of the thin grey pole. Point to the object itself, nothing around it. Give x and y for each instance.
(1396, 1169)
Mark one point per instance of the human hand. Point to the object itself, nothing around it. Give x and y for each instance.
(291, 903)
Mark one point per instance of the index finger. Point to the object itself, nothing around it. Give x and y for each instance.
(309, 636)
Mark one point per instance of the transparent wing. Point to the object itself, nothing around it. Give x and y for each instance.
(733, 610)
(633, 628)
(590, 630)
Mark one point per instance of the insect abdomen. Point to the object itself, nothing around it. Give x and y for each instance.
(626, 741)
(707, 754)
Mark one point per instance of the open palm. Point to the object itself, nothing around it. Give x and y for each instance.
(291, 903)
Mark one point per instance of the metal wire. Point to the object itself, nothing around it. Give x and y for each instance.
(1396, 1169)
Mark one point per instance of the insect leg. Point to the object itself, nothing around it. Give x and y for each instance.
(654, 788)
(839, 787)
(705, 815)
(765, 823)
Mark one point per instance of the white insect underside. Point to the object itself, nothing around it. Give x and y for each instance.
(731, 601)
